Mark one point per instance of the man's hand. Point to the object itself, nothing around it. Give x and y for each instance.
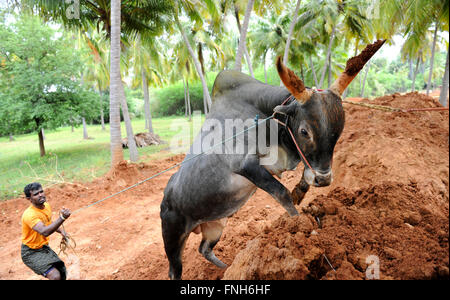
(40, 228)
(65, 237)
(64, 213)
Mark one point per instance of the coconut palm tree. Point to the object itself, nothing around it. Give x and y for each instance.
(147, 58)
(413, 50)
(116, 87)
(327, 14)
(180, 63)
(194, 12)
(78, 45)
(262, 8)
(418, 18)
(438, 15)
(237, 7)
(144, 17)
(344, 19)
(204, 39)
(97, 71)
(309, 40)
(243, 35)
(291, 32)
(263, 40)
(268, 35)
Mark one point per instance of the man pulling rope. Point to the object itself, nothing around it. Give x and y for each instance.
(37, 226)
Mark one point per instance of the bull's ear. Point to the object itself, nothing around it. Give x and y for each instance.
(354, 65)
(292, 82)
(286, 109)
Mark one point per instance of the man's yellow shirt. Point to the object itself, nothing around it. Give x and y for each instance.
(31, 216)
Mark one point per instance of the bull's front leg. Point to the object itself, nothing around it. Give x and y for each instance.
(258, 175)
(300, 190)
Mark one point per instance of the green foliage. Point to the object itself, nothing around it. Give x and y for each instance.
(39, 78)
(170, 99)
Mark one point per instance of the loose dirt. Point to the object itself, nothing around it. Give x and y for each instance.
(387, 207)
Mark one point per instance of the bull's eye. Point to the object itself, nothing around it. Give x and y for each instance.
(304, 132)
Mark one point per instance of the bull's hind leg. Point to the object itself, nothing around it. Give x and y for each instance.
(174, 236)
(211, 232)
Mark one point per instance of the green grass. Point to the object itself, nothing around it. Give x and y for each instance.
(71, 158)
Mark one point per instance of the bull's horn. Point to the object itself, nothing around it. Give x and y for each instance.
(354, 65)
(292, 82)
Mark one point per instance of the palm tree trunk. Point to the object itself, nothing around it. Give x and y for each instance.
(134, 155)
(200, 58)
(188, 99)
(414, 75)
(365, 77)
(433, 49)
(185, 98)
(247, 56)
(291, 32)
(329, 71)
(302, 72)
(202, 65)
(311, 65)
(85, 134)
(148, 115)
(83, 120)
(289, 37)
(41, 142)
(324, 70)
(194, 57)
(102, 118)
(344, 95)
(205, 105)
(265, 66)
(249, 61)
(411, 71)
(242, 38)
(444, 88)
(115, 82)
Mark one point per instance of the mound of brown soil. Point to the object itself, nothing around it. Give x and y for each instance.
(390, 221)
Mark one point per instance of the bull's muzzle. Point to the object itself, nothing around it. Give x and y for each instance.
(318, 178)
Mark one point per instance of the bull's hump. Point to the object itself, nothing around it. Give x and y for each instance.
(229, 80)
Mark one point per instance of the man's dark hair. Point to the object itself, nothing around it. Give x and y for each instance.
(31, 187)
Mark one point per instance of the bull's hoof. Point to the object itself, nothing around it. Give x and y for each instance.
(297, 196)
(299, 192)
(212, 258)
(173, 276)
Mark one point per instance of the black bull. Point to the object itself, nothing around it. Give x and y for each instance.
(209, 188)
